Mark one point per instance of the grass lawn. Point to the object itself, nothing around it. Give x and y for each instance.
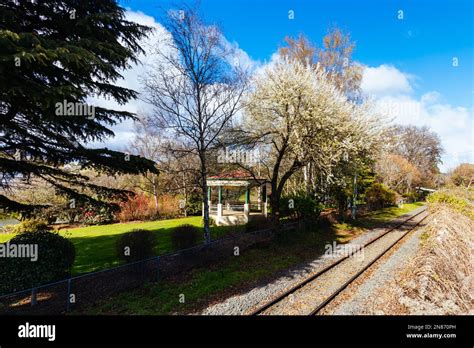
(237, 274)
(95, 245)
(374, 218)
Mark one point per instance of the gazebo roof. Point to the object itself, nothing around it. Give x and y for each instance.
(237, 174)
(236, 177)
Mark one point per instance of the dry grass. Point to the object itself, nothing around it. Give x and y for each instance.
(440, 279)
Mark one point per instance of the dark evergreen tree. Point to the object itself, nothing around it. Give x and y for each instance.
(57, 53)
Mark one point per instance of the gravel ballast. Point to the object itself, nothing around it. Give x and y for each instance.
(245, 303)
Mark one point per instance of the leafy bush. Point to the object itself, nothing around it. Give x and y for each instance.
(185, 236)
(138, 207)
(412, 197)
(55, 256)
(92, 215)
(194, 204)
(169, 206)
(58, 212)
(31, 225)
(136, 245)
(456, 199)
(299, 206)
(379, 196)
(445, 197)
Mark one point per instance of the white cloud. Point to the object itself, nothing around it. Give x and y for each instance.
(240, 58)
(385, 80)
(392, 92)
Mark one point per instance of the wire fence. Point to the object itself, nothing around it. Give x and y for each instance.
(74, 292)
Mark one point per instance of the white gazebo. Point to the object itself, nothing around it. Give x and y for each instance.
(232, 212)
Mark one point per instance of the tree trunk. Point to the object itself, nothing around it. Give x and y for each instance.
(354, 198)
(275, 205)
(341, 206)
(307, 178)
(185, 196)
(207, 230)
(155, 193)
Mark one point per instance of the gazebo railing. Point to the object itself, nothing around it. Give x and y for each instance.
(236, 207)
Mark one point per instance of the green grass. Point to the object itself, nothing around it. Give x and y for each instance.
(5, 237)
(95, 245)
(234, 275)
(375, 218)
(392, 212)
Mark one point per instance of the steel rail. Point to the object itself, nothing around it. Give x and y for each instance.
(311, 278)
(365, 268)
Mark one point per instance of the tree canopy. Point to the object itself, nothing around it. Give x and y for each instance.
(53, 56)
(298, 115)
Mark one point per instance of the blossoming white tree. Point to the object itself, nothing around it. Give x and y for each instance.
(297, 115)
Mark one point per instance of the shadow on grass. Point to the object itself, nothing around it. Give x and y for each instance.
(99, 252)
(288, 254)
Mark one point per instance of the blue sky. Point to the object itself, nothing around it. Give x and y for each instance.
(423, 43)
(409, 61)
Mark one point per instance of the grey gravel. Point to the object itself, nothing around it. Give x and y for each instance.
(363, 295)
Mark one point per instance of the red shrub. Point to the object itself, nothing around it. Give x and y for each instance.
(168, 206)
(138, 207)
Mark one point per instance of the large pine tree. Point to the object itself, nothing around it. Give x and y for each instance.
(62, 51)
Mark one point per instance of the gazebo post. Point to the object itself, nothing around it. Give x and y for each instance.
(259, 200)
(209, 199)
(247, 204)
(219, 202)
(264, 198)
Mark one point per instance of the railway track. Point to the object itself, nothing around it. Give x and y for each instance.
(312, 294)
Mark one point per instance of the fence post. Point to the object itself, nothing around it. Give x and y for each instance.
(157, 268)
(34, 300)
(68, 303)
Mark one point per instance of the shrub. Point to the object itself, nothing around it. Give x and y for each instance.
(185, 236)
(136, 245)
(54, 259)
(169, 206)
(137, 207)
(58, 212)
(91, 215)
(194, 204)
(379, 196)
(412, 197)
(301, 206)
(31, 225)
(454, 198)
